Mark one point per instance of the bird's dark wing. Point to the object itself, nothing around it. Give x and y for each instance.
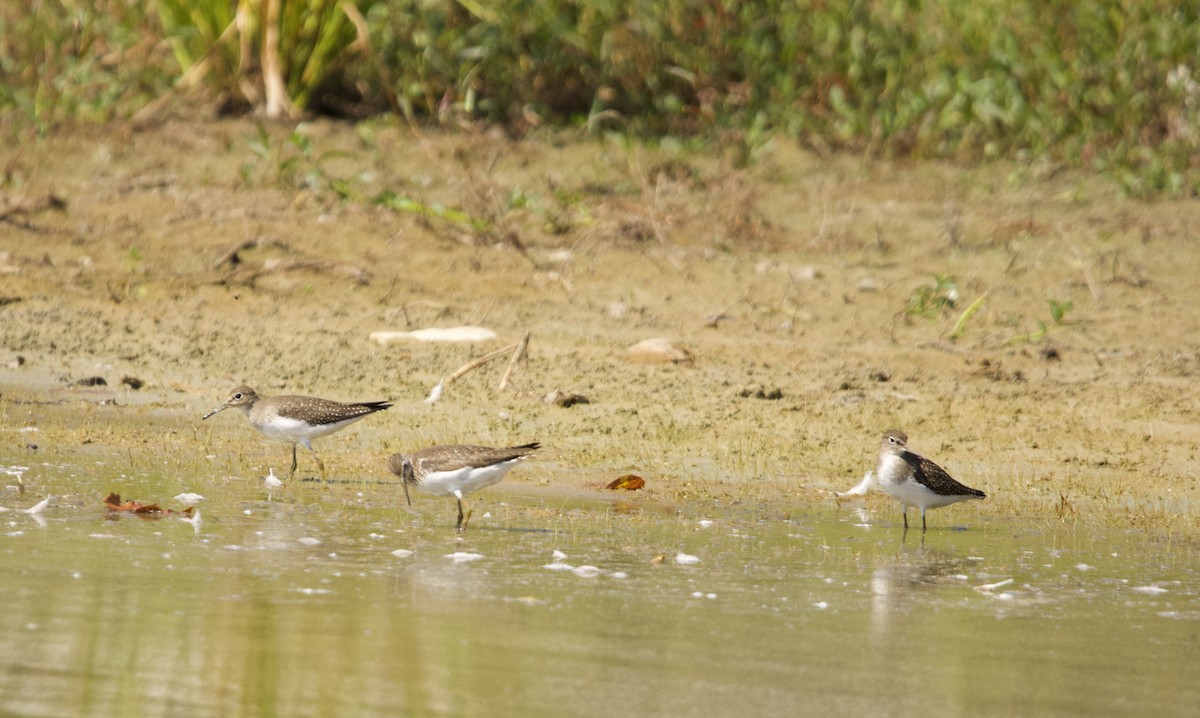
(459, 456)
(935, 477)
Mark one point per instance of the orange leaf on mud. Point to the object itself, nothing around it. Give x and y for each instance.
(629, 482)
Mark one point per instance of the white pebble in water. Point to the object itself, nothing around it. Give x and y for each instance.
(402, 553)
(686, 559)
(463, 556)
(308, 541)
(586, 571)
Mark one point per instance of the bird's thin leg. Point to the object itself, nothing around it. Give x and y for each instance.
(293, 471)
(904, 513)
(406, 496)
(462, 520)
(923, 527)
(320, 464)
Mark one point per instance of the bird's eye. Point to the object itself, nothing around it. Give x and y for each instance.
(237, 395)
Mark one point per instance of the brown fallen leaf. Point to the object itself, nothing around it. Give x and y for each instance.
(113, 502)
(629, 482)
(565, 399)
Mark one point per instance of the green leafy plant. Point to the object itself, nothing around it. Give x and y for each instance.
(66, 61)
(1058, 317)
(235, 45)
(293, 161)
(930, 300)
(400, 203)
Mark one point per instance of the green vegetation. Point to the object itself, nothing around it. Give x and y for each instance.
(293, 162)
(1058, 318)
(86, 61)
(1105, 85)
(930, 300)
(960, 327)
(226, 43)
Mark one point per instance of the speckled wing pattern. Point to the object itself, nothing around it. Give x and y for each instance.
(453, 457)
(935, 478)
(323, 411)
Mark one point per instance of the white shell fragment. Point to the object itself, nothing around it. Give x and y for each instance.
(436, 334)
(34, 510)
(993, 586)
(659, 350)
(463, 556)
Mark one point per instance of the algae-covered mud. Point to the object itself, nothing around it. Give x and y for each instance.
(1032, 332)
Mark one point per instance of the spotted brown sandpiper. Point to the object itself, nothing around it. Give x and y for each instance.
(914, 480)
(456, 470)
(296, 419)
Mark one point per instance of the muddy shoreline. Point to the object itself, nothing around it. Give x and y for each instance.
(804, 292)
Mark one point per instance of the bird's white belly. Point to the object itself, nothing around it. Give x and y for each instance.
(912, 493)
(909, 491)
(295, 431)
(465, 480)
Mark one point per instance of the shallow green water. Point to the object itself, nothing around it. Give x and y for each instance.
(296, 605)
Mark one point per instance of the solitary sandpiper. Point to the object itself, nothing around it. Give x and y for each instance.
(296, 419)
(914, 480)
(456, 470)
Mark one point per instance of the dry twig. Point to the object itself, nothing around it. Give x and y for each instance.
(516, 350)
(512, 363)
